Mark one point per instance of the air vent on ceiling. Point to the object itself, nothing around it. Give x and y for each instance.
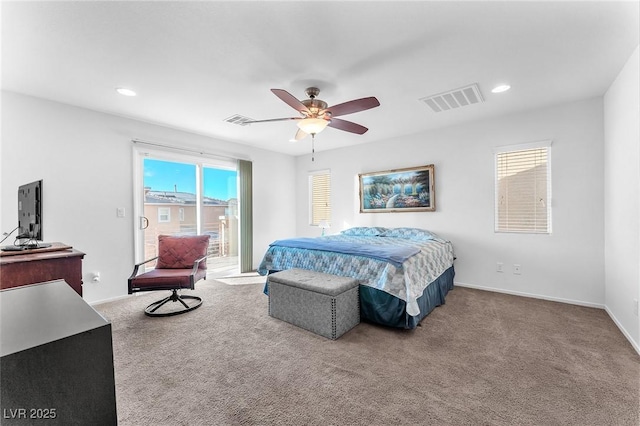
(457, 98)
(238, 119)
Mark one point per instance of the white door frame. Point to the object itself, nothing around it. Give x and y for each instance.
(140, 152)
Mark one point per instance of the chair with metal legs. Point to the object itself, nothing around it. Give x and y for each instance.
(181, 262)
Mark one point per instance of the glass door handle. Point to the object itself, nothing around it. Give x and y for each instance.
(144, 222)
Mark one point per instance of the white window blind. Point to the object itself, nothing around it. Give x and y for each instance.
(523, 188)
(320, 197)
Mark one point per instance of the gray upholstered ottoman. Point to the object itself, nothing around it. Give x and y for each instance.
(325, 304)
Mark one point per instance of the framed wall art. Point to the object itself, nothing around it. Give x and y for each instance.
(402, 190)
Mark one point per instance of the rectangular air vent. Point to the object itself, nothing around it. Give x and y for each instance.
(238, 119)
(454, 98)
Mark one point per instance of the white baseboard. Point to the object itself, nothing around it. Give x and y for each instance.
(561, 300)
(534, 296)
(623, 330)
(111, 299)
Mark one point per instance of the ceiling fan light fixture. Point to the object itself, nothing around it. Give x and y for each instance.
(312, 126)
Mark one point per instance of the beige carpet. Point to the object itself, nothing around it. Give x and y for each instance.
(482, 359)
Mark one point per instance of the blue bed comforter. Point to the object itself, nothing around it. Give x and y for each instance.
(405, 280)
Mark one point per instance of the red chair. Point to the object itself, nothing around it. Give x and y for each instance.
(181, 262)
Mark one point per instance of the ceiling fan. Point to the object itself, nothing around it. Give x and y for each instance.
(316, 115)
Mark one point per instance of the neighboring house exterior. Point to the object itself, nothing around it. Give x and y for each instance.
(175, 213)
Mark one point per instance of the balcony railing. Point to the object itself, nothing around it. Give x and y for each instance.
(219, 244)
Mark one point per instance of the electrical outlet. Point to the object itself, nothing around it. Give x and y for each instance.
(516, 269)
(499, 267)
(635, 307)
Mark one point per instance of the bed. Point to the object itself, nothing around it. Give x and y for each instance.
(404, 273)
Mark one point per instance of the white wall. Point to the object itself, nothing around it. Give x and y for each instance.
(85, 160)
(622, 198)
(567, 265)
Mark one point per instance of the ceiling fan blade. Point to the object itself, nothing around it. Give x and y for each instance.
(272, 119)
(290, 100)
(347, 126)
(353, 106)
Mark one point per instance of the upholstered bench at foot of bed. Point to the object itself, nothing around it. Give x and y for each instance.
(325, 304)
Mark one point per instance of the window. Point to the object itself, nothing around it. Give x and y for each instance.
(164, 214)
(179, 191)
(320, 197)
(523, 188)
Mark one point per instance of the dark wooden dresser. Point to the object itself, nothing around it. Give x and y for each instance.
(56, 359)
(59, 261)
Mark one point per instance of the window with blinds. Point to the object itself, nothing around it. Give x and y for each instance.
(320, 197)
(523, 188)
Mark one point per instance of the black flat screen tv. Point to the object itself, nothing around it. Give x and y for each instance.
(30, 211)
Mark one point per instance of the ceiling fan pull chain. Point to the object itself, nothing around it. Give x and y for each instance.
(313, 146)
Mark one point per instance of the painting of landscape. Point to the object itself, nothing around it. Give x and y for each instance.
(402, 190)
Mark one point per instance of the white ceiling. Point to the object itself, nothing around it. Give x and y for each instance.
(194, 64)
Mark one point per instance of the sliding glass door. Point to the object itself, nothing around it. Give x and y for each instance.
(182, 195)
(220, 216)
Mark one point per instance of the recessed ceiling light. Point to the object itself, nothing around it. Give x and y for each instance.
(501, 88)
(126, 92)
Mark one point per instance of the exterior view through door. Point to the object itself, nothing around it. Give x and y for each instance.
(185, 198)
